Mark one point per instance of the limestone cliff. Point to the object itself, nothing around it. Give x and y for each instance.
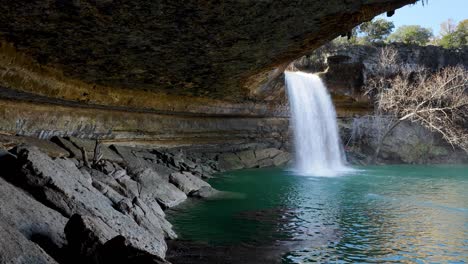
(217, 49)
(159, 72)
(346, 70)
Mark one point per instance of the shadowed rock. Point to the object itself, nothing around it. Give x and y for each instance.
(16, 249)
(93, 241)
(215, 49)
(60, 184)
(34, 220)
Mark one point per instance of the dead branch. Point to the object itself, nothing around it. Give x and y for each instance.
(436, 100)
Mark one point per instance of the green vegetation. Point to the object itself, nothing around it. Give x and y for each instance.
(412, 34)
(381, 31)
(376, 30)
(453, 36)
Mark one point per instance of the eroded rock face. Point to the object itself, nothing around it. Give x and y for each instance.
(209, 48)
(408, 143)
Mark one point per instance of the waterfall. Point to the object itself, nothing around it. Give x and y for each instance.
(318, 147)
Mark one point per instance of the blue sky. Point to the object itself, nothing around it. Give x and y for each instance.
(431, 14)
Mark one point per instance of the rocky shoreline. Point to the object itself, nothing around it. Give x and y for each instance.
(71, 200)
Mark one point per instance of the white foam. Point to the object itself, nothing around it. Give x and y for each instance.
(319, 151)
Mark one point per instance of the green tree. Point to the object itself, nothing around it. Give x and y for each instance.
(413, 34)
(455, 38)
(376, 30)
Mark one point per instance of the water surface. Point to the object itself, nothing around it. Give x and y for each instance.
(385, 214)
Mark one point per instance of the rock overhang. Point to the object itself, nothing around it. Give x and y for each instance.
(210, 49)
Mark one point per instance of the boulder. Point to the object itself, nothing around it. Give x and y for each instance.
(229, 161)
(148, 213)
(120, 250)
(90, 145)
(92, 240)
(16, 249)
(34, 220)
(98, 176)
(282, 158)
(205, 192)
(133, 163)
(73, 151)
(154, 187)
(187, 182)
(248, 158)
(136, 164)
(86, 234)
(265, 163)
(114, 196)
(131, 187)
(266, 153)
(60, 184)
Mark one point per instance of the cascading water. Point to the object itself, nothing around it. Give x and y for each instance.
(318, 148)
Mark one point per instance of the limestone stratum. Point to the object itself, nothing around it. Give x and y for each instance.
(230, 132)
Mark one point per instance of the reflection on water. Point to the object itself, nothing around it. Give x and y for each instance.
(380, 215)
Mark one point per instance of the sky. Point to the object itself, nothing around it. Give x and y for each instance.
(431, 14)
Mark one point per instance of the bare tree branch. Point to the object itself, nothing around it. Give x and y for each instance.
(436, 100)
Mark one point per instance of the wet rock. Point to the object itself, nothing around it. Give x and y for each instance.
(205, 192)
(248, 158)
(60, 184)
(266, 153)
(16, 249)
(265, 163)
(281, 159)
(229, 161)
(154, 187)
(187, 182)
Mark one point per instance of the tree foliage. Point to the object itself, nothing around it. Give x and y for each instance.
(376, 30)
(380, 31)
(454, 37)
(412, 34)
